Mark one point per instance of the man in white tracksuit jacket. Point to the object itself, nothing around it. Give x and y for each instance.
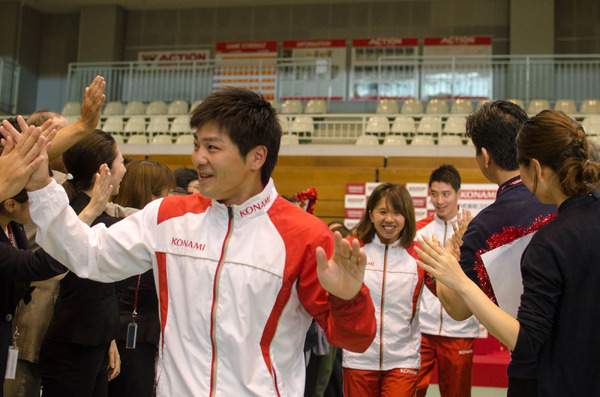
(239, 271)
(445, 340)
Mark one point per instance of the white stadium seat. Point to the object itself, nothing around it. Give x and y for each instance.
(387, 106)
(566, 105)
(136, 124)
(181, 125)
(590, 106)
(455, 125)
(412, 106)
(450, 140)
(394, 140)
(461, 106)
(134, 108)
(158, 125)
(436, 106)
(378, 125)
(71, 109)
(537, 105)
(137, 139)
(315, 106)
(156, 107)
(178, 107)
(291, 107)
(114, 108)
(113, 124)
(423, 140)
(367, 140)
(404, 125)
(430, 125)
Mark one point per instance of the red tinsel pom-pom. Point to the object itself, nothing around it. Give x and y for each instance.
(307, 199)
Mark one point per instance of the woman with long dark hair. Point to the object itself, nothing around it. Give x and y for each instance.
(557, 322)
(74, 358)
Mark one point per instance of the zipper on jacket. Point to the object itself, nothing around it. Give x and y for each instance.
(213, 314)
(381, 310)
(441, 307)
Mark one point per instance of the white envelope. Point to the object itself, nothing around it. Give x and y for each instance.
(503, 265)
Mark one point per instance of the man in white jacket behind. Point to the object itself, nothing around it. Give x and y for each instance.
(445, 340)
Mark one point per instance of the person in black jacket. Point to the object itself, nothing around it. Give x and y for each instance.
(19, 266)
(557, 321)
(79, 356)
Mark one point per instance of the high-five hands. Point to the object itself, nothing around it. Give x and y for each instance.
(460, 226)
(23, 155)
(440, 263)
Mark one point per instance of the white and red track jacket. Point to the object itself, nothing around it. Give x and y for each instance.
(395, 282)
(237, 286)
(433, 317)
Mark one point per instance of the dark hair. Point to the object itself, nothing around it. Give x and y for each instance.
(290, 198)
(494, 126)
(247, 118)
(446, 173)
(144, 181)
(183, 177)
(399, 200)
(14, 123)
(20, 198)
(334, 222)
(84, 159)
(344, 231)
(559, 142)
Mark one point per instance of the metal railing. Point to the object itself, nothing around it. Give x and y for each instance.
(190, 81)
(550, 77)
(9, 84)
(525, 77)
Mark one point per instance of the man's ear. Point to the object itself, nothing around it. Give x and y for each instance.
(487, 157)
(256, 157)
(9, 205)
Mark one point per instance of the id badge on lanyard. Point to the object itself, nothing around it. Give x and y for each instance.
(13, 352)
(132, 327)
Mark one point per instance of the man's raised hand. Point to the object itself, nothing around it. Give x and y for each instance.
(343, 274)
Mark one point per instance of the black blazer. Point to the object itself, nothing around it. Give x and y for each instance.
(18, 267)
(86, 312)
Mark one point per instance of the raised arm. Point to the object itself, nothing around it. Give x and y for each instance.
(91, 108)
(452, 302)
(445, 268)
(96, 253)
(349, 319)
(100, 195)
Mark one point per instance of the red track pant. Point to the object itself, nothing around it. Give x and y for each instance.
(397, 382)
(454, 358)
